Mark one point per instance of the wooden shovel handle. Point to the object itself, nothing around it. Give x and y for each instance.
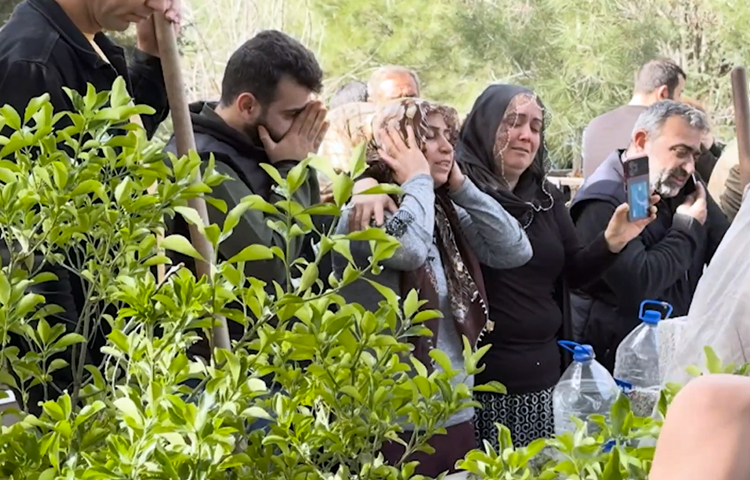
(185, 139)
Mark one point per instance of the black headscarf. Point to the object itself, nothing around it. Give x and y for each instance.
(475, 153)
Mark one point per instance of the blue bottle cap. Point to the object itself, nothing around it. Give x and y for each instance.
(581, 353)
(651, 317)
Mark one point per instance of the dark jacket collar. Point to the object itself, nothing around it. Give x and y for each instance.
(68, 31)
(206, 120)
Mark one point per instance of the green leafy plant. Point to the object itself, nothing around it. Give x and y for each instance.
(332, 381)
(618, 447)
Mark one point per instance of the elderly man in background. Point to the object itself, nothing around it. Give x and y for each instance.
(351, 116)
(392, 82)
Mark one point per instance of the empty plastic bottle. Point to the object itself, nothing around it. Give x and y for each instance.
(586, 388)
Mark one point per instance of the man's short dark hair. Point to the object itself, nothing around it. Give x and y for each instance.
(351, 92)
(258, 66)
(657, 73)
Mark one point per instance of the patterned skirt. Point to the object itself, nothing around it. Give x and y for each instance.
(528, 416)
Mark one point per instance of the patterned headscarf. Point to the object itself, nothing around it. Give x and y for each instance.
(462, 270)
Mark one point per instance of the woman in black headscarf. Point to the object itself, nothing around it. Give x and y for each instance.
(501, 149)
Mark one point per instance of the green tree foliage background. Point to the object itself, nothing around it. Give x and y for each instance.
(580, 56)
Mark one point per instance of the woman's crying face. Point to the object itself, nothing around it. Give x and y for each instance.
(438, 149)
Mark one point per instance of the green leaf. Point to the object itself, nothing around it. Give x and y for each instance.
(180, 244)
(7, 176)
(297, 175)
(68, 340)
(233, 217)
(7, 379)
(5, 289)
(492, 387)
(309, 277)
(34, 105)
(342, 189)
(120, 340)
(87, 412)
(389, 295)
(192, 216)
(252, 253)
(620, 411)
(11, 117)
(358, 160)
(442, 359)
(412, 304)
(56, 365)
(128, 409)
(119, 96)
(612, 469)
(28, 303)
(273, 173)
(217, 203)
(383, 189)
(713, 363)
(60, 174)
(257, 203)
(122, 190)
(352, 392)
(256, 412)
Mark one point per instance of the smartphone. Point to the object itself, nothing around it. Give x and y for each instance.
(638, 188)
(690, 187)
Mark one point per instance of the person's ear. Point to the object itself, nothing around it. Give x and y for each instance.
(640, 137)
(662, 93)
(248, 106)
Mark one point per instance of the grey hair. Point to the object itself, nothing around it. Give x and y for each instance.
(654, 117)
(382, 73)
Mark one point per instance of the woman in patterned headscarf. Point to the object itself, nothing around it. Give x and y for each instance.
(445, 226)
(501, 149)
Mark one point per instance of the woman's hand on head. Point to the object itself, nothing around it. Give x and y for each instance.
(456, 178)
(621, 230)
(406, 161)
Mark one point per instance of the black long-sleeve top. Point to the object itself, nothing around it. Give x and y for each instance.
(528, 319)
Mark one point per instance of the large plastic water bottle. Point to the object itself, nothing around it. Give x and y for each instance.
(637, 360)
(586, 388)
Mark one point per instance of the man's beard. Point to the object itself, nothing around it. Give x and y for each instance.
(666, 184)
(251, 130)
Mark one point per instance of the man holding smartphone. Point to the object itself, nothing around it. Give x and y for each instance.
(666, 261)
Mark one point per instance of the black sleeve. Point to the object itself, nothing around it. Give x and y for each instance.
(583, 263)
(640, 272)
(718, 224)
(26, 80)
(147, 81)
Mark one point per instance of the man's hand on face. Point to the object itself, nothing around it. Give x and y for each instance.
(302, 139)
(146, 30)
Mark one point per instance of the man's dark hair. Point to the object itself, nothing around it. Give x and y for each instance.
(352, 92)
(657, 73)
(258, 66)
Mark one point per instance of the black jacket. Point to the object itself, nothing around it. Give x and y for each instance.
(237, 157)
(664, 263)
(42, 51)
